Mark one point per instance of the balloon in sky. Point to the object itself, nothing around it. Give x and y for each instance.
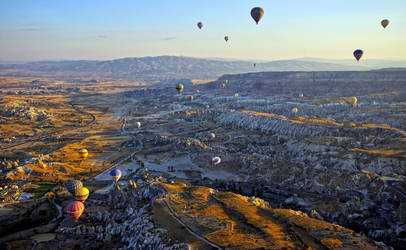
(255, 64)
(82, 194)
(138, 125)
(301, 95)
(191, 98)
(75, 209)
(74, 186)
(226, 38)
(216, 160)
(223, 85)
(295, 110)
(200, 25)
(257, 13)
(83, 153)
(179, 88)
(358, 54)
(226, 81)
(115, 174)
(197, 91)
(385, 22)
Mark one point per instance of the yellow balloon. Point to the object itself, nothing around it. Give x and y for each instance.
(352, 100)
(83, 153)
(82, 194)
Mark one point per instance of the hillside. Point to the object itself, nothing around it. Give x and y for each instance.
(160, 68)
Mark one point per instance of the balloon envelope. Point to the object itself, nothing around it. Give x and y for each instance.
(191, 98)
(223, 85)
(82, 194)
(358, 54)
(226, 38)
(115, 174)
(138, 125)
(200, 25)
(74, 186)
(83, 153)
(295, 110)
(179, 88)
(352, 101)
(75, 209)
(216, 160)
(384, 23)
(257, 13)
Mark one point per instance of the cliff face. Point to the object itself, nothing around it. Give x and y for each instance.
(332, 83)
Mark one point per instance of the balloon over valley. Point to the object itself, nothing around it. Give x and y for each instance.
(202, 125)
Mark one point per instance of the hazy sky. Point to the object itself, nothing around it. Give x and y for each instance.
(98, 29)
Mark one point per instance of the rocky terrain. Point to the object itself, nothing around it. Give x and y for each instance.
(342, 164)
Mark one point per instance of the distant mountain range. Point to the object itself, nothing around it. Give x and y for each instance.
(174, 67)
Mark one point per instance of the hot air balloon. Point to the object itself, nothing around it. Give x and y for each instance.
(255, 64)
(190, 98)
(200, 25)
(74, 186)
(138, 125)
(385, 22)
(179, 88)
(223, 85)
(257, 13)
(226, 38)
(301, 95)
(295, 110)
(236, 95)
(358, 54)
(82, 194)
(75, 209)
(226, 81)
(216, 161)
(197, 91)
(212, 135)
(115, 175)
(83, 153)
(352, 101)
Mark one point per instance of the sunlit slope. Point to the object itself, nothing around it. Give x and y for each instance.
(234, 221)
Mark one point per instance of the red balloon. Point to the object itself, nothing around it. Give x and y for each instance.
(75, 209)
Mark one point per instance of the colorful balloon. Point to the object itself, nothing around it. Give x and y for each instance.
(75, 209)
(197, 91)
(190, 98)
(295, 110)
(74, 186)
(138, 125)
(179, 88)
(115, 175)
(82, 194)
(358, 54)
(301, 95)
(384, 23)
(226, 38)
(223, 85)
(83, 153)
(200, 25)
(257, 13)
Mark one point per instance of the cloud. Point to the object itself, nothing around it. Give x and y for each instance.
(29, 29)
(169, 38)
(102, 37)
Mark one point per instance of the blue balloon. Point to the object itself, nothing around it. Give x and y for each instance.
(115, 174)
(74, 186)
(358, 54)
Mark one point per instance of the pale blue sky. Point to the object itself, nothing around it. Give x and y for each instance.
(98, 29)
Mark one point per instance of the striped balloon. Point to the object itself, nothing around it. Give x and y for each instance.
(115, 174)
(75, 209)
(74, 186)
(82, 194)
